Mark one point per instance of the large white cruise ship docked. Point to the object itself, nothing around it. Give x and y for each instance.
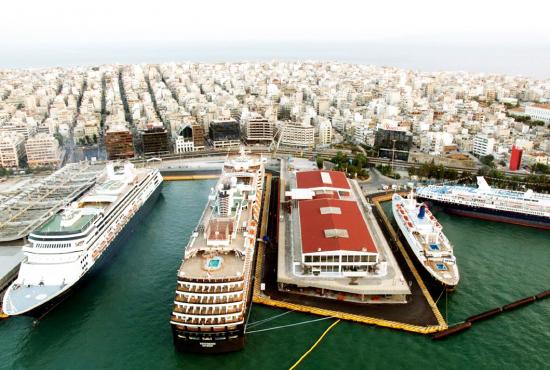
(214, 285)
(63, 249)
(523, 208)
(425, 237)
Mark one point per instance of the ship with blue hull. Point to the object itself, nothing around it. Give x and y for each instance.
(484, 202)
(80, 238)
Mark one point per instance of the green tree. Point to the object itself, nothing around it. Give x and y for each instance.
(488, 160)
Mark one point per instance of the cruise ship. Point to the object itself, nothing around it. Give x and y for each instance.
(70, 243)
(213, 291)
(523, 208)
(424, 235)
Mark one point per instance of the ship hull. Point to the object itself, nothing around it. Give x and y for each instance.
(209, 342)
(516, 218)
(103, 259)
(205, 343)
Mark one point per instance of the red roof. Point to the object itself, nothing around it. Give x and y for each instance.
(313, 225)
(314, 179)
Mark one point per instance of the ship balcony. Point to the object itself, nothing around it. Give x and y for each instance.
(211, 288)
(209, 310)
(206, 320)
(209, 280)
(209, 299)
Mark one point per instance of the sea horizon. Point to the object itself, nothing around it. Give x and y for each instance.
(524, 60)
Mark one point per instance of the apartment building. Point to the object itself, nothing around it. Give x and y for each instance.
(12, 149)
(483, 145)
(297, 135)
(43, 150)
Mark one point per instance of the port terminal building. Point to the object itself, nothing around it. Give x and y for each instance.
(329, 242)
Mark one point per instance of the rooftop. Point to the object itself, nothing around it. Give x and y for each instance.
(332, 225)
(322, 179)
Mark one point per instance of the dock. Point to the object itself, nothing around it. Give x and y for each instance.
(419, 315)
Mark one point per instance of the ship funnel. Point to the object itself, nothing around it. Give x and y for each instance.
(422, 211)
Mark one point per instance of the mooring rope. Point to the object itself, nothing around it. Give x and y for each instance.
(314, 345)
(259, 322)
(289, 325)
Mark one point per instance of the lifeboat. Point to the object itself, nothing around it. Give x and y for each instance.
(410, 225)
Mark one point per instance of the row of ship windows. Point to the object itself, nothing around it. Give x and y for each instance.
(502, 207)
(57, 245)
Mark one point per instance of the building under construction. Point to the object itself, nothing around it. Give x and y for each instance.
(119, 143)
(155, 141)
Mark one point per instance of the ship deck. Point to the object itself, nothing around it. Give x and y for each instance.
(232, 264)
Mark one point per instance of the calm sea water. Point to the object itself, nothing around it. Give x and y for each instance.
(118, 319)
(525, 59)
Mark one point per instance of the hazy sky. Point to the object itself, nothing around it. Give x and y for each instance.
(111, 21)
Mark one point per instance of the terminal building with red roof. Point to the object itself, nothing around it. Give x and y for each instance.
(329, 244)
(334, 238)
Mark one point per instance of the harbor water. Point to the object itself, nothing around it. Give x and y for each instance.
(118, 318)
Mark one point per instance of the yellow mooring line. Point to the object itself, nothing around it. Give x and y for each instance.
(314, 345)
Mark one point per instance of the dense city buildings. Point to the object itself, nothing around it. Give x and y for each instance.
(400, 114)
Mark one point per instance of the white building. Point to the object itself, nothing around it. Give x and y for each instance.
(483, 145)
(184, 145)
(538, 112)
(297, 135)
(12, 149)
(325, 132)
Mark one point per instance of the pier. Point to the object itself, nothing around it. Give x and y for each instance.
(419, 315)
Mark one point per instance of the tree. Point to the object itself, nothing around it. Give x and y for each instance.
(540, 167)
(95, 138)
(59, 138)
(319, 161)
(488, 160)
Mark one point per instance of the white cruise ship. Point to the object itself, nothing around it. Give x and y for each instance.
(426, 239)
(213, 291)
(63, 249)
(522, 208)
